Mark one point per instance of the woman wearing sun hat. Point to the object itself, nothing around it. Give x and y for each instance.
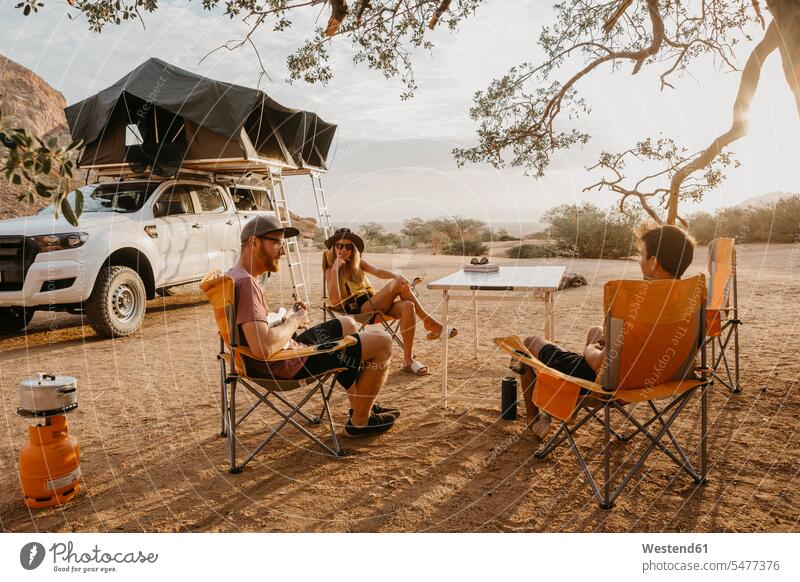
(348, 285)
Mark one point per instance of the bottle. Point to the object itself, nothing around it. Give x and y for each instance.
(508, 398)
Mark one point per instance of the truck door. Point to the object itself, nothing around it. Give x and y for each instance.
(220, 228)
(181, 241)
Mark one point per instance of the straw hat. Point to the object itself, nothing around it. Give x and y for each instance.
(345, 234)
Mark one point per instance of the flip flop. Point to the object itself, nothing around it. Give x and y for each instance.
(451, 333)
(416, 368)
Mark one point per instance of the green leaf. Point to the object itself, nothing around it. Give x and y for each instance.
(78, 202)
(43, 190)
(68, 213)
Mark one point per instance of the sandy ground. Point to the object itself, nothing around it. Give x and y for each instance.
(152, 459)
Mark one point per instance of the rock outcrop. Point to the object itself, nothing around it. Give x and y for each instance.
(28, 101)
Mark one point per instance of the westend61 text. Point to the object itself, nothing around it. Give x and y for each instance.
(668, 549)
(64, 553)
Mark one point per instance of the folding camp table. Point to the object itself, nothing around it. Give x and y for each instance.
(508, 284)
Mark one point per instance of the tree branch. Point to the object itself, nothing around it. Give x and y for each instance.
(741, 107)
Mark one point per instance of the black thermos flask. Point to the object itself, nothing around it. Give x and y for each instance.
(508, 398)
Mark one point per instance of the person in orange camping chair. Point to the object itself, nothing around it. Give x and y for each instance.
(665, 253)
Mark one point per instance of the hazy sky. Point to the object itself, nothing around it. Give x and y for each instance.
(392, 158)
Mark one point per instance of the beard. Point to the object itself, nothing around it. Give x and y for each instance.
(271, 264)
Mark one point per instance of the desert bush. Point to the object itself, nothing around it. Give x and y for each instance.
(466, 248)
(586, 231)
(778, 222)
(376, 237)
(531, 251)
(503, 235)
(541, 235)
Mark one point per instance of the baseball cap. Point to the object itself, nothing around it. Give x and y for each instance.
(265, 224)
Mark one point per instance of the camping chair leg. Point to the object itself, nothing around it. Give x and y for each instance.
(230, 421)
(325, 400)
(607, 503)
(724, 359)
(704, 435)
(223, 399)
(555, 440)
(326, 408)
(615, 434)
(585, 468)
(736, 387)
(288, 403)
(287, 419)
(683, 462)
(627, 437)
(655, 441)
(393, 331)
(246, 414)
(672, 439)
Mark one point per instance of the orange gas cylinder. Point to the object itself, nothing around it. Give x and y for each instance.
(49, 465)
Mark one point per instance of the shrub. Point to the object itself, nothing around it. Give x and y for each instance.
(531, 251)
(541, 235)
(777, 222)
(466, 248)
(586, 231)
(376, 237)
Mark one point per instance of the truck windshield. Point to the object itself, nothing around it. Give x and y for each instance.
(111, 197)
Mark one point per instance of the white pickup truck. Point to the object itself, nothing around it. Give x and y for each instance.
(135, 238)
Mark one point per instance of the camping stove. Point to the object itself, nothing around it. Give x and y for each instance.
(49, 464)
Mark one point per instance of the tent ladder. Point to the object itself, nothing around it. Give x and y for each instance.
(322, 206)
(293, 257)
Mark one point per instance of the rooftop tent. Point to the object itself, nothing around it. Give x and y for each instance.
(163, 117)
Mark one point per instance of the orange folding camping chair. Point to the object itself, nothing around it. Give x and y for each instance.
(723, 312)
(220, 290)
(653, 332)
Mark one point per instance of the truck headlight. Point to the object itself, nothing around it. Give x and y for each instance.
(60, 242)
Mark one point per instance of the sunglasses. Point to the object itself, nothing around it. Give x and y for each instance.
(343, 246)
(481, 261)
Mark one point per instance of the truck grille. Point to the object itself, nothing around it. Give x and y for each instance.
(17, 253)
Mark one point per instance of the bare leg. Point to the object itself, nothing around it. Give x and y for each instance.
(404, 311)
(376, 351)
(349, 326)
(534, 344)
(383, 300)
(528, 380)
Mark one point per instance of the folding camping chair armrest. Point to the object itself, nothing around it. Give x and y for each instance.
(324, 348)
(516, 349)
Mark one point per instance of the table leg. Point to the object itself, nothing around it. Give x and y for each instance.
(549, 320)
(445, 300)
(475, 322)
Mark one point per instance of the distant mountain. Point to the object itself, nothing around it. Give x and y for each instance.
(769, 198)
(28, 101)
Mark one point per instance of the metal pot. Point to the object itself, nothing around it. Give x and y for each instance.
(47, 395)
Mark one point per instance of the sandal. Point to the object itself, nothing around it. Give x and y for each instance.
(416, 368)
(451, 333)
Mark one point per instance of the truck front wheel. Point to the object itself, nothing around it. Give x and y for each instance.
(117, 303)
(14, 319)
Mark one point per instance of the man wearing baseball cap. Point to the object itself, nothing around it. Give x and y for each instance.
(365, 362)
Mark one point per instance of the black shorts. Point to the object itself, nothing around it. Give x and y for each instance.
(354, 305)
(566, 362)
(349, 358)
